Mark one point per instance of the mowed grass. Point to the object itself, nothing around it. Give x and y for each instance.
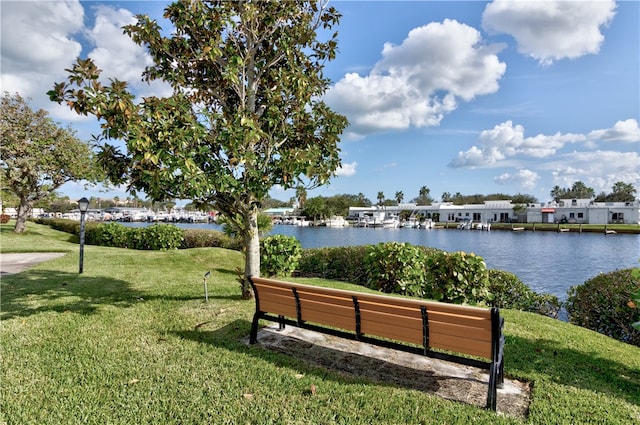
(132, 341)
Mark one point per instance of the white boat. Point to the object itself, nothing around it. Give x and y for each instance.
(393, 222)
(483, 226)
(410, 223)
(426, 224)
(465, 225)
(336, 221)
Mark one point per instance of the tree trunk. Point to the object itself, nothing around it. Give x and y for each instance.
(21, 220)
(252, 252)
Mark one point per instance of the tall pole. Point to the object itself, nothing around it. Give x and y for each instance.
(83, 205)
(82, 213)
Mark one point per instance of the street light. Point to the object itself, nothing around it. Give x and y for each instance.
(83, 205)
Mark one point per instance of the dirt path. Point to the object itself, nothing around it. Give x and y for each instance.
(15, 263)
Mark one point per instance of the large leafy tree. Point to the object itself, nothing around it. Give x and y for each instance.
(36, 155)
(245, 113)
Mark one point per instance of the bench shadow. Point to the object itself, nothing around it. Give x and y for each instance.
(353, 367)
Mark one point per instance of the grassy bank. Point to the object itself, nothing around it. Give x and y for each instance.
(131, 340)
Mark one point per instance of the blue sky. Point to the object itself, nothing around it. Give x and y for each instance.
(470, 97)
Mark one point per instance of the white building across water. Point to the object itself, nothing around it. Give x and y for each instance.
(579, 211)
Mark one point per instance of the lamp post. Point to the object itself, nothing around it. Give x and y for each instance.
(83, 205)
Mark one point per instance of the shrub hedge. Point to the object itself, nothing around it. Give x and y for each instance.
(395, 267)
(604, 304)
(339, 263)
(279, 255)
(508, 291)
(201, 238)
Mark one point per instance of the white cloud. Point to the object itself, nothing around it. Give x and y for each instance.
(506, 140)
(37, 44)
(553, 29)
(525, 178)
(347, 170)
(418, 82)
(599, 169)
(622, 131)
(115, 53)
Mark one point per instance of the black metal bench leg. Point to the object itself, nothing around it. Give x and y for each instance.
(253, 336)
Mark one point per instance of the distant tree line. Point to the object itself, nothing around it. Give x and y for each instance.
(320, 207)
(620, 192)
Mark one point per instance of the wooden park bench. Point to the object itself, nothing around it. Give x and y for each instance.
(411, 325)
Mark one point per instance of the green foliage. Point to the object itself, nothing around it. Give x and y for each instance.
(246, 112)
(338, 263)
(396, 267)
(161, 237)
(635, 297)
(602, 304)
(201, 238)
(508, 291)
(37, 156)
(62, 224)
(233, 227)
(111, 234)
(458, 277)
(279, 255)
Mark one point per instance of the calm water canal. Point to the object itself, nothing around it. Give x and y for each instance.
(548, 262)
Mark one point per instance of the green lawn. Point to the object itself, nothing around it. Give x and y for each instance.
(131, 341)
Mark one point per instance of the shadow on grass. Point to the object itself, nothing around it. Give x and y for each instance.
(35, 291)
(378, 367)
(296, 353)
(566, 366)
(226, 271)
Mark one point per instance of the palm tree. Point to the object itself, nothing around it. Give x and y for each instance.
(557, 192)
(399, 197)
(301, 196)
(380, 198)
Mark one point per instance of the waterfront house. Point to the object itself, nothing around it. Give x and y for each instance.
(579, 211)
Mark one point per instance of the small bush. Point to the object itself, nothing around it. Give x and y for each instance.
(508, 291)
(457, 277)
(160, 237)
(340, 263)
(279, 255)
(602, 304)
(200, 238)
(112, 234)
(395, 267)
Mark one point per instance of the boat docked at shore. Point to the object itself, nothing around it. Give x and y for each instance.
(336, 221)
(392, 222)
